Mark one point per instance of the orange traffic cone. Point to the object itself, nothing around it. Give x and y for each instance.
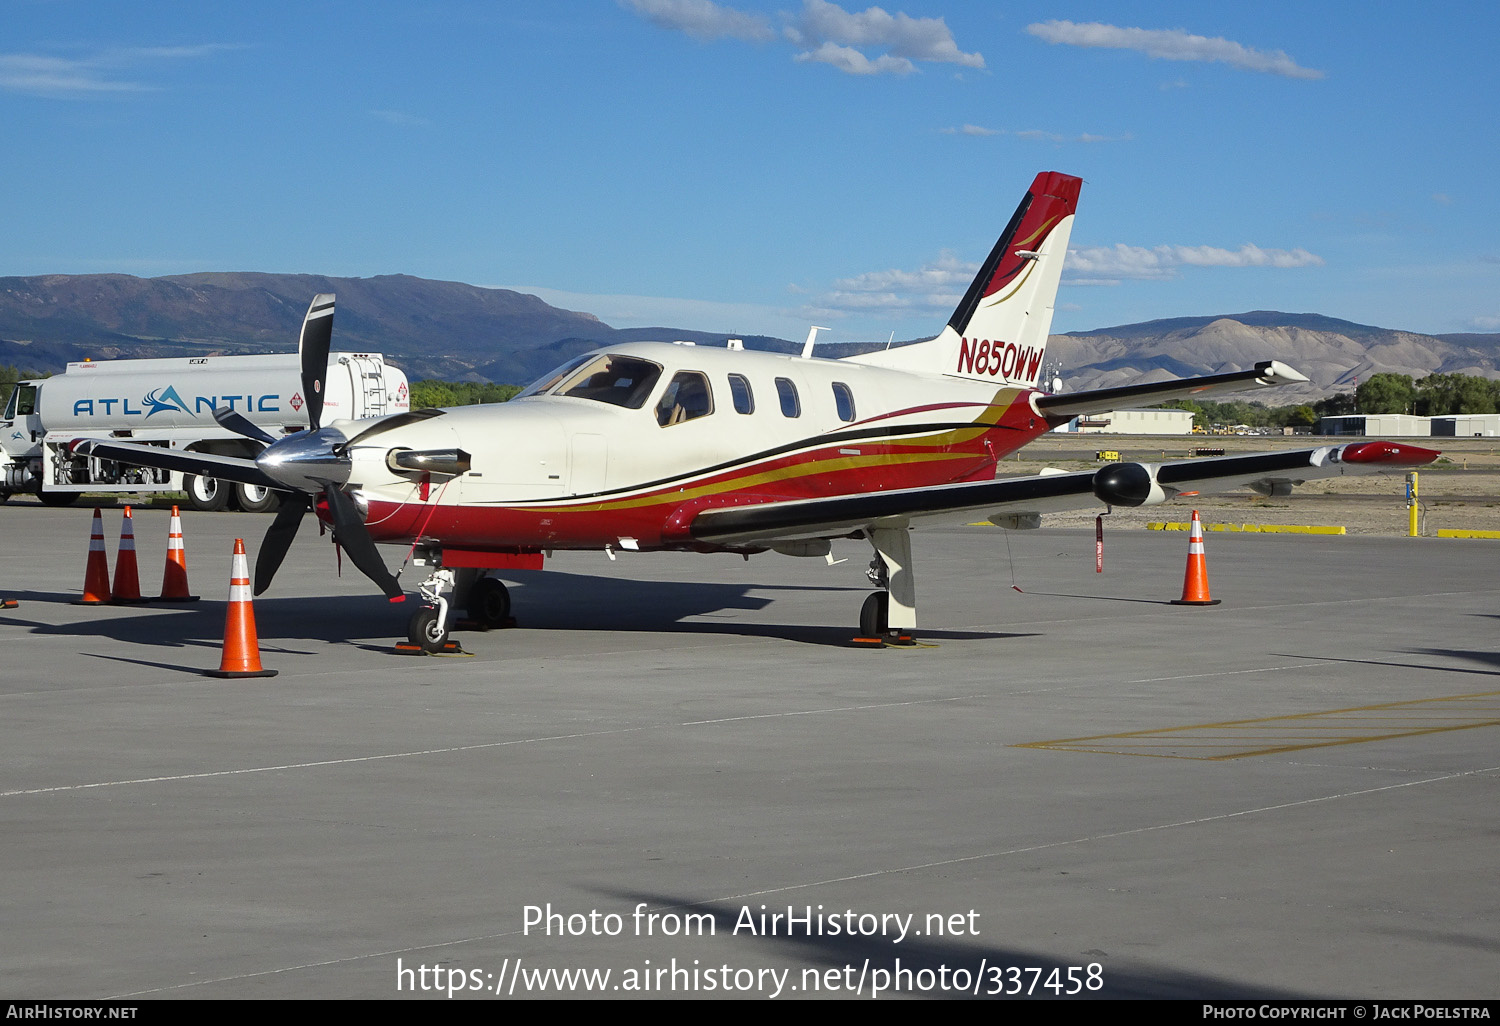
(241, 647)
(96, 574)
(174, 585)
(1195, 581)
(127, 587)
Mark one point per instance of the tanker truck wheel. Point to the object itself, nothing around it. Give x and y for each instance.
(206, 493)
(57, 498)
(255, 498)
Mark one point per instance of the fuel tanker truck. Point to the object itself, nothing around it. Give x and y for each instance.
(170, 402)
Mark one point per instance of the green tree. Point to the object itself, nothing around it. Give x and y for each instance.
(459, 393)
(1386, 393)
(1442, 394)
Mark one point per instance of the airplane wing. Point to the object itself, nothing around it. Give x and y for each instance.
(1065, 406)
(204, 464)
(1019, 501)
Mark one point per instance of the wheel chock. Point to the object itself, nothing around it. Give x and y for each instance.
(450, 648)
(8, 603)
(867, 642)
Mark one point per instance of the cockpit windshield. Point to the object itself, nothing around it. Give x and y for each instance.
(618, 380)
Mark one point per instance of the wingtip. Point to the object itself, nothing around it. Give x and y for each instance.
(1395, 454)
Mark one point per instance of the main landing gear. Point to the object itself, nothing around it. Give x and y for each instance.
(889, 616)
(485, 599)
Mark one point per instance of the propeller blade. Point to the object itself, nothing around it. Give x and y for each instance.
(349, 531)
(387, 423)
(240, 425)
(278, 539)
(313, 347)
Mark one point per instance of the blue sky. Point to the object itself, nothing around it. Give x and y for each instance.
(758, 167)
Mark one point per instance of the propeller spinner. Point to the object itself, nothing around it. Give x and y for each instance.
(317, 461)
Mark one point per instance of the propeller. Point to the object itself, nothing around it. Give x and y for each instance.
(317, 460)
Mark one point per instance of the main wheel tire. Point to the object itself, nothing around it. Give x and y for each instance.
(208, 494)
(874, 615)
(425, 629)
(57, 498)
(256, 498)
(489, 602)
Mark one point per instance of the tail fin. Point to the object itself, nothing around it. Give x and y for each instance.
(999, 331)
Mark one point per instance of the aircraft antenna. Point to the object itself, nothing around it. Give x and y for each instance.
(812, 337)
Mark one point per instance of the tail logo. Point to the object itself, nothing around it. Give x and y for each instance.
(999, 359)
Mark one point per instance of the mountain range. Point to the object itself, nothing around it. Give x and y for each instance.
(453, 331)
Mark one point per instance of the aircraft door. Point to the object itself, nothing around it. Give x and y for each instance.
(588, 456)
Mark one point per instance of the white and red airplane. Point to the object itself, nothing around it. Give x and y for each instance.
(656, 446)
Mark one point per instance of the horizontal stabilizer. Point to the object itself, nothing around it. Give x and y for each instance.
(1066, 406)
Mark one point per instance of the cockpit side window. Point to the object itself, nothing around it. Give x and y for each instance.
(549, 381)
(687, 397)
(618, 380)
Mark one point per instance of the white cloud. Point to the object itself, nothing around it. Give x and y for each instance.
(1056, 137)
(56, 76)
(852, 61)
(702, 19)
(868, 42)
(902, 36)
(1109, 265)
(96, 75)
(971, 130)
(1171, 45)
(930, 291)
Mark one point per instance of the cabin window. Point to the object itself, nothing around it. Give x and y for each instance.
(843, 398)
(744, 398)
(687, 398)
(791, 406)
(618, 380)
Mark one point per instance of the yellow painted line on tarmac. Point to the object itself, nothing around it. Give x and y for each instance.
(1453, 532)
(1158, 525)
(1239, 739)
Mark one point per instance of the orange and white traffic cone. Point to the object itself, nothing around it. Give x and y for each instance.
(174, 585)
(96, 574)
(127, 586)
(1195, 581)
(241, 646)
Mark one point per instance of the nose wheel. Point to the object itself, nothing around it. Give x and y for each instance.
(427, 629)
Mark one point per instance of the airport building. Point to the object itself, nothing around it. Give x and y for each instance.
(1401, 425)
(1134, 422)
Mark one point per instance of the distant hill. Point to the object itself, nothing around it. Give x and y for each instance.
(1331, 352)
(437, 329)
(453, 331)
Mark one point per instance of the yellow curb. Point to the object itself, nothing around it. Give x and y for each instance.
(1455, 533)
(1251, 528)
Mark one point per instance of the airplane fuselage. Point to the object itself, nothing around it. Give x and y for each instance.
(714, 427)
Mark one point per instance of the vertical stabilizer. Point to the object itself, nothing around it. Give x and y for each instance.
(999, 330)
